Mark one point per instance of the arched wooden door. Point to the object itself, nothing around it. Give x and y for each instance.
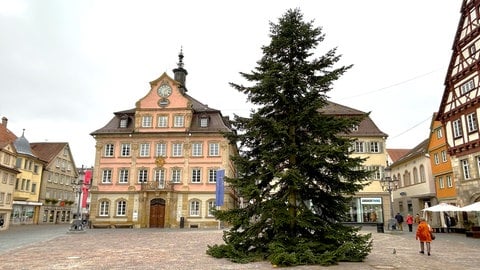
(157, 213)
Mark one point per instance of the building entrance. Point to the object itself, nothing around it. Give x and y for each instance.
(157, 213)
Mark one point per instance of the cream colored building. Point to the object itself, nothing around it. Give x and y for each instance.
(372, 204)
(459, 109)
(416, 186)
(56, 193)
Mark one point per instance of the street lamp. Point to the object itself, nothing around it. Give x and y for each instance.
(389, 184)
(77, 186)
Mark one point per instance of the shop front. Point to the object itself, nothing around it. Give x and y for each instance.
(365, 210)
(24, 212)
(56, 215)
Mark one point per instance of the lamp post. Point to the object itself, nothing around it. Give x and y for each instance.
(77, 186)
(389, 184)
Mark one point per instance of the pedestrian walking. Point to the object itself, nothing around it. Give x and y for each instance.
(399, 219)
(424, 235)
(409, 221)
(417, 219)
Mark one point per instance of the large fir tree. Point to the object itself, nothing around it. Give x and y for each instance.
(295, 172)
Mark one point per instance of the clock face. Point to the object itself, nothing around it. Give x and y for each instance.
(164, 90)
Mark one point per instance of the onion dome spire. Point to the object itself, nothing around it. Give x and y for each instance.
(180, 74)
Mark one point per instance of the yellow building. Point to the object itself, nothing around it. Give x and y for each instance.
(372, 204)
(156, 165)
(26, 204)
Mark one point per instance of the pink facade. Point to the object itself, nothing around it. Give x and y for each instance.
(156, 164)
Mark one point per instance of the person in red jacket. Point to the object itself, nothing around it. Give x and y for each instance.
(424, 235)
(409, 221)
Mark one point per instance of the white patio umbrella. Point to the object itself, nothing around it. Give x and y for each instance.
(425, 212)
(471, 207)
(442, 207)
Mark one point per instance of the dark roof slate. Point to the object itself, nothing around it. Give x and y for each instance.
(217, 123)
(366, 127)
(22, 146)
(420, 149)
(113, 126)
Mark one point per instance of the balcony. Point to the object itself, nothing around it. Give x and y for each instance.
(156, 186)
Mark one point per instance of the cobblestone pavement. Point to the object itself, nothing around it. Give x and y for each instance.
(51, 247)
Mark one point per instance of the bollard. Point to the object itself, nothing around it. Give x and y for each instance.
(380, 227)
(182, 222)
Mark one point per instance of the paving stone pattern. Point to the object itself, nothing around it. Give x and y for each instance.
(51, 247)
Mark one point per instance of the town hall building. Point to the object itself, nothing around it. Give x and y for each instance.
(156, 164)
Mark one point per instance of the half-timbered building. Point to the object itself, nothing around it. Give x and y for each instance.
(460, 104)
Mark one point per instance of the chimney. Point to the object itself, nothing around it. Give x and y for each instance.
(4, 121)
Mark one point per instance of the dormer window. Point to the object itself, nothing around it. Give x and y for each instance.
(204, 121)
(124, 121)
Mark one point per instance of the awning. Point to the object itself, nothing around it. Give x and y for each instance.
(27, 203)
(442, 207)
(474, 207)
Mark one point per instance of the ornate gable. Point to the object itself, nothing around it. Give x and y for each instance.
(165, 94)
(462, 81)
(460, 103)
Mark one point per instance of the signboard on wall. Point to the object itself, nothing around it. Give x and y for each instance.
(371, 200)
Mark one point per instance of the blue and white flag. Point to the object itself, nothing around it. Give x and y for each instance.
(220, 191)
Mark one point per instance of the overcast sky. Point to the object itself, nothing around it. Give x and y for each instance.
(66, 66)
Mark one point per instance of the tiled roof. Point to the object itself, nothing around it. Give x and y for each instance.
(6, 136)
(420, 149)
(366, 127)
(333, 108)
(396, 154)
(114, 125)
(47, 151)
(198, 106)
(216, 121)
